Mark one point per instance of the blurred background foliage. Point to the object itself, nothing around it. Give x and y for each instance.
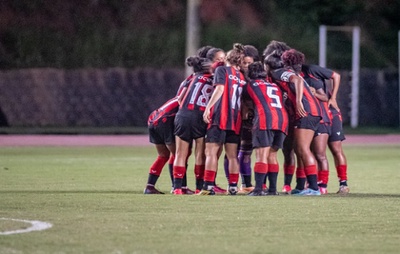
(131, 33)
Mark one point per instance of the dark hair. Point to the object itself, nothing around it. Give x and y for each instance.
(278, 46)
(235, 55)
(273, 60)
(202, 52)
(199, 64)
(212, 52)
(294, 59)
(256, 70)
(251, 51)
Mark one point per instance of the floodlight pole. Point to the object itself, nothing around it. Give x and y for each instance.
(355, 63)
(192, 30)
(399, 73)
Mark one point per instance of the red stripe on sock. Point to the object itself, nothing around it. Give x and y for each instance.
(158, 165)
(342, 172)
(311, 170)
(179, 171)
(209, 175)
(171, 159)
(274, 168)
(261, 168)
(233, 178)
(288, 169)
(323, 176)
(300, 173)
(199, 171)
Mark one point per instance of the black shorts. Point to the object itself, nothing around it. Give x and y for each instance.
(337, 133)
(268, 138)
(323, 128)
(190, 125)
(216, 135)
(308, 122)
(163, 132)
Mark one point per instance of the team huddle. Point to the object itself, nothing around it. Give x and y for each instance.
(242, 103)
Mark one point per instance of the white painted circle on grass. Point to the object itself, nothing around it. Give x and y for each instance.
(35, 226)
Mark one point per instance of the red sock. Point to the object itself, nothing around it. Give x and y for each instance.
(261, 168)
(288, 169)
(233, 178)
(179, 171)
(323, 176)
(300, 173)
(158, 165)
(311, 170)
(274, 168)
(171, 159)
(209, 175)
(342, 172)
(199, 171)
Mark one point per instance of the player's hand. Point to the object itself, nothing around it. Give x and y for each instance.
(333, 103)
(206, 116)
(312, 89)
(300, 110)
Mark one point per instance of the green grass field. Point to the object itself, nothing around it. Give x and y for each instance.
(93, 197)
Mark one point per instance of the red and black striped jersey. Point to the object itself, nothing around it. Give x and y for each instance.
(184, 84)
(198, 93)
(315, 76)
(270, 113)
(167, 110)
(310, 102)
(226, 111)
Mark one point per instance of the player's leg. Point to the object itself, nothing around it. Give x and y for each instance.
(319, 145)
(199, 165)
(340, 164)
(303, 139)
(156, 168)
(182, 148)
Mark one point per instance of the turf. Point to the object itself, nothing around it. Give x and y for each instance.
(93, 197)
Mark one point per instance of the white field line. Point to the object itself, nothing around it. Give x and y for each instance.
(36, 226)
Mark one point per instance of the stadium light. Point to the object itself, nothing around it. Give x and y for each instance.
(323, 31)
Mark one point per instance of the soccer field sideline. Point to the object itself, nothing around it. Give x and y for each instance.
(143, 140)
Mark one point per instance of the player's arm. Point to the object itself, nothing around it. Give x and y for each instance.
(335, 88)
(218, 91)
(319, 94)
(299, 86)
(182, 95)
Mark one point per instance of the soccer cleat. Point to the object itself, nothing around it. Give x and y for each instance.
(286, 189)
(151, 190)
(256, 192)
(187, 191)
(265, 187)
(343, 190)
(272, 193)
(308, 192)
(245, 190)
(295, 191)
(206, 192)
(219, 190)
(197, 191)
(323, 190)
(178, 192)
(232, 190)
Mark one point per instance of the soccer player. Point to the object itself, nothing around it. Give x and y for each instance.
(336, 136)
(306, 108)
(161, 132)
(223, 116)
(320, 141)
(251, 55)
(189, 124)
(270, 127)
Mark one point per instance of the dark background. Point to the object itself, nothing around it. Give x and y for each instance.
(110, 63)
